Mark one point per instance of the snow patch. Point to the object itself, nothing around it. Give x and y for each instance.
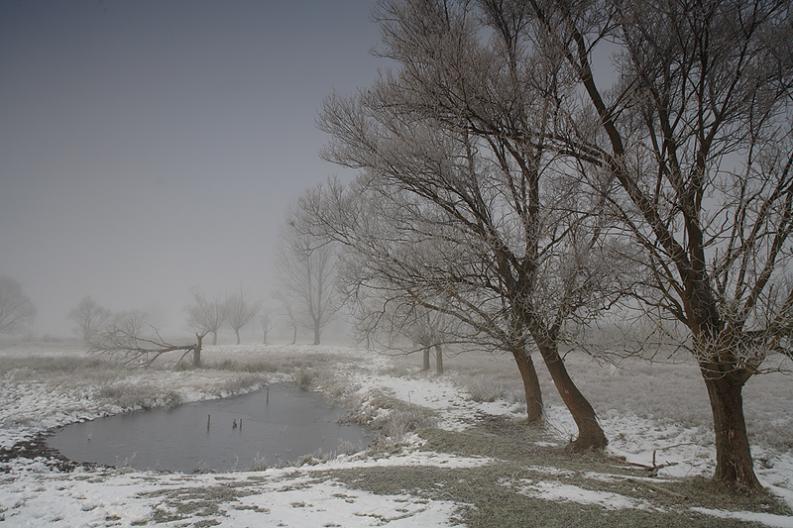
(555, 491)
(455, 410)
(768, 519)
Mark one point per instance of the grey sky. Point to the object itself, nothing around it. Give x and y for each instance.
(150, 146)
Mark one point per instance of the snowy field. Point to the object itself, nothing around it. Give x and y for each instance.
(449, 451)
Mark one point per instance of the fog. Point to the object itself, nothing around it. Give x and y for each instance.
(148, 148)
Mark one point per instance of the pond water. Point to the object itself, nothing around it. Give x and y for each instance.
(264, 428)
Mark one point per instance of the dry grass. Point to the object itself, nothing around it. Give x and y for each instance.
(667, 391)
(136, 395)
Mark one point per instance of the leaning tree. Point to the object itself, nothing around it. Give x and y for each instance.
(129, 339)
(482, 214)
(694, 130)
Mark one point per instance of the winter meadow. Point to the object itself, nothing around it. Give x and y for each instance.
(401, 263)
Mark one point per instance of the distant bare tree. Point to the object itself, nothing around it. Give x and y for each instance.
(89, 317)
(388, 319)
(129, 339)
(240, 312)
(266, 324)
(307, 267)
(16, 308)
(206, 316)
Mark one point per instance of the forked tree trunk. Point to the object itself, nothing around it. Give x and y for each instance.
(214, 338)
(531, 385)
(733, 457)
(197, 350)
(590, 434)
(237, 333)
(425, 364)
(438, 360)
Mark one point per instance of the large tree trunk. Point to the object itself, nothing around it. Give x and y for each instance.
(214, 338)
(237, 333)
(733, 457)
(425, 364)
(317, 332)
(438, 360)
(531, 385)
(590, 434)
(197, 350)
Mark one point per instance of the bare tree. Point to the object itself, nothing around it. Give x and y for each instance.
(129, 339)
(266, 324)
(16, 308)
(307, 266)
(206, 316)
(502, 229)
(240, 312)
(696, 135)
(89, 317)
(388, 320)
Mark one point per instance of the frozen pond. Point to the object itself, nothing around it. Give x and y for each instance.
(263, 428)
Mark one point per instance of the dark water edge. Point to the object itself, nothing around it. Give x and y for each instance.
(265, 428)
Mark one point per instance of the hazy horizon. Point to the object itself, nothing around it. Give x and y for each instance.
(148, 148)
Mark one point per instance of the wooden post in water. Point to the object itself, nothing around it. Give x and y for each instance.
(267, 400)
(209, 417)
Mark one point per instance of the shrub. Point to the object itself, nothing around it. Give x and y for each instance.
(303, 378)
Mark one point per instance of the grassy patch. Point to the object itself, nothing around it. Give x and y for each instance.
(481, 389)
(304, 378)
(63, 364)
(487, 503)
(138, 395)
(185, 503)
(255, 366)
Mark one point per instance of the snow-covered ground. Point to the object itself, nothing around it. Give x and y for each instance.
(33, 493)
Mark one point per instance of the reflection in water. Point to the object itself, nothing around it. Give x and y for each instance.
(253, 430)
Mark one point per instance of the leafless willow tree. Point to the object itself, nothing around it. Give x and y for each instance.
(457, 203)
(89, 317)
(307, 270)
(127, 338)
(16, 308)
(240, 312)
(696, 135)
(206, 316)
